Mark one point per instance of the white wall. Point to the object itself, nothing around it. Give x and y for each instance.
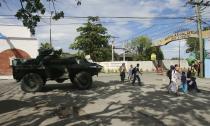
(15, 31)
(20, 38)
(114, 66)
(29, 46)
(183, 63)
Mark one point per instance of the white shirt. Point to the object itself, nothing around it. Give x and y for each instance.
(175, 76)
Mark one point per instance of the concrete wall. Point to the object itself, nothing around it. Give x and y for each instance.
(183, 63)
(110, 67)
(15, 31)
(16, 43)
(28, 45)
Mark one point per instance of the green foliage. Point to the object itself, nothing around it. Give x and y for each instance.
(58, 15)
(141, 49)
(206, 28)
(46, 46)
(193, 46)
(191, 59)
(80, 54)
(30, 12)
(176, 58)
(155, 50)
(93, 40)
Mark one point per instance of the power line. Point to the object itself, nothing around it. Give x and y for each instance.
(148, 28)
(112, 17)
(106, 22)
(189, 23)
(168, 30)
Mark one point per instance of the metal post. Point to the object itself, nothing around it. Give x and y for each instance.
(50, 28)
(112, 51)
(197, 6)
(123, 51)
(179, 55)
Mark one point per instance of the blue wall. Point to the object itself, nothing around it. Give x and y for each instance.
(207, 68)
(207, 58)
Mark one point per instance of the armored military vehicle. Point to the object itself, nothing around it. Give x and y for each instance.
(50, 65)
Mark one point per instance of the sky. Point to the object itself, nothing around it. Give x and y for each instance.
(64, 30)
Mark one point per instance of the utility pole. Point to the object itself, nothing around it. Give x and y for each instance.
(197, 9)
(123, 51)
(51, 12)
(112, 51)
(197, 4)
(179, 54)
(113, 46)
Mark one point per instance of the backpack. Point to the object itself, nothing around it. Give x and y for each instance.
(168, 73)
(134, 70)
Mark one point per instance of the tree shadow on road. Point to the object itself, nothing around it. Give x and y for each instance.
(57, 86)
(10, 105)
(153, 107)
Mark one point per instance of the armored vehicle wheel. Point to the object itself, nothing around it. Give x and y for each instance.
(32, 82)
(83, 80)
(72, 79)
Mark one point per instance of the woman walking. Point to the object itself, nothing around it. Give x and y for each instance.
(175, 80)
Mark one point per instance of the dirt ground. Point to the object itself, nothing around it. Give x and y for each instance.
(108, 102)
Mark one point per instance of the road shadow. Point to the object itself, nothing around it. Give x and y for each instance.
(71, 87)
(11, 105)
(57, 86)
(149, 108)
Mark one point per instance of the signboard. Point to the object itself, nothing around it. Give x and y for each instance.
(181, 35)
(153, 57)
(207, 58)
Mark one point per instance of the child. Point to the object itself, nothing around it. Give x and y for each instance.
(183, 85)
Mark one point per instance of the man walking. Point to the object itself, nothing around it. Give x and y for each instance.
(136, 72)
(122, 70)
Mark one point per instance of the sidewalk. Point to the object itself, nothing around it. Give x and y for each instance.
(9, 77)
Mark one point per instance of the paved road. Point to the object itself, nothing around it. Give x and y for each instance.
(109, 102)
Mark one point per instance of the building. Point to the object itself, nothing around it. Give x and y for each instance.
(15, 42)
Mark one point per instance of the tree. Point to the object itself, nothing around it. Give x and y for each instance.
(31, 11)
(193, 46)
(206, 28)
(138, 45)
(156, 50)
(46, 46)
(141, 49)
(93, 40)
(176, 58)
